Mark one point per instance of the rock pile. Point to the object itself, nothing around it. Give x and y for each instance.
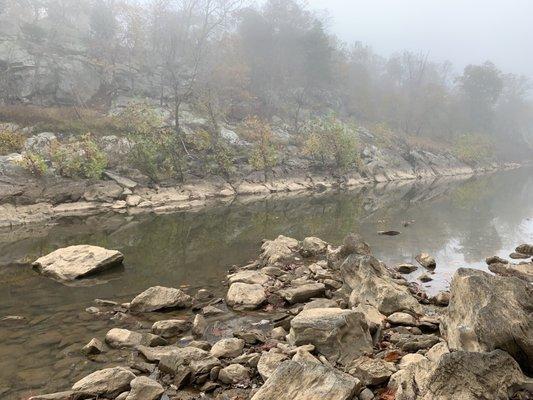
(319, 322)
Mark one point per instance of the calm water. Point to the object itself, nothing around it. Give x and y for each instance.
(459, 222)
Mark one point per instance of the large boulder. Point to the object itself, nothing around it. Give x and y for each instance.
(340, 335)
(107, 382)
(158, 298)
(373, 284)
(459, 376)
(74, 262)
(308, 381)
(246, 296)
(489, 312)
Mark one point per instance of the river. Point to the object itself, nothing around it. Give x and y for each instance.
(459, 221)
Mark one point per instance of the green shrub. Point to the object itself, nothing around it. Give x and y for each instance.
(264, 154)
(34, 163)
(155, 150)
(473, 149)
(331, 144)
(79, 159)
(11, 141)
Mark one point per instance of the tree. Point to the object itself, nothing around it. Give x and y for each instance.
(264, 155)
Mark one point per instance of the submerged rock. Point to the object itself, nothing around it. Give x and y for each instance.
(308, 381)
(406, 268)
(105, 382)
(158, 298)
(525, 249)
(489, 312)
(74, 262)
(340, 335)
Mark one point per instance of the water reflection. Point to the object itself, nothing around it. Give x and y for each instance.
(459, 222)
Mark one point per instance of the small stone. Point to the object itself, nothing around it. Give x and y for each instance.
(199, 326)
(233, 374)
(143, 388)
(209, 311)
(425, 278)
(227, 348)
(442, 299)
(371, 371)
(245, 296)
(366, 394)
(170, 328)
(203, 295)
(158, 298)
(495, 260)
(313, 246)
(525, 249)
(519, 256)
(406, 268)
(95, 346)
(400, 318)
(426, 260)
(278, 333)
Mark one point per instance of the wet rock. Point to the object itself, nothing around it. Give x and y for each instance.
(495, 260)
(525, 249)
(313, 246)
(250, 277)
(425, 260)
(373, 284)
(199, 326)
(227, 348)
(204, 295)
(74, 262)
(95, 346)
(199, 361)
(123, 338)
(269, 362)
(459, 375)
(105, 382)
(233, 374)
(488, 312)
(522, 271)
(442, 299)
(244, 296)
(143, 388)
(277, 251)
(302, 293)
(400, 318)
(340, 335)
(425, 278)
(406, 268)
(308, 381)
(371, 371)
(519, 256)
(159, 298)
(170, 328)
(66, 395)
(389, 233)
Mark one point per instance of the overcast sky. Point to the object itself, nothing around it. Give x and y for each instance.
(462, 31)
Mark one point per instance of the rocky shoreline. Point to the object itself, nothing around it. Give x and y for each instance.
(316, 321)
(29, 201)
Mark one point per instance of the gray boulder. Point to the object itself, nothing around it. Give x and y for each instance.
(74, 262)
(107, 382)
(245, 296)
(302, 293)
(340, 335)
(158, 298)
(489, 312)
(308, 381)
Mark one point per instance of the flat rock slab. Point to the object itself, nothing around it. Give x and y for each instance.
(308, 381)
(75, 262)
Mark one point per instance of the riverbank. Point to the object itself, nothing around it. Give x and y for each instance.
(33, 201)
(317, 321)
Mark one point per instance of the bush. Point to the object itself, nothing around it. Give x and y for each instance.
(264, 154)
(80, 159)
(34, 164)
(11, 141)
(474, 149)
(155, 150)
(332, 144)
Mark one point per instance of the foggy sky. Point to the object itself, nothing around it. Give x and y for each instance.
(461, 31)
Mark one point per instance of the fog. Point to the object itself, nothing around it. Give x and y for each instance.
(464, 32)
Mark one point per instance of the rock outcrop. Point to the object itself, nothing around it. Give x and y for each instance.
(75, 262)
(489, 312)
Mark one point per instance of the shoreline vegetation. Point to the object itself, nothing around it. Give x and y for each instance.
(317, 322)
